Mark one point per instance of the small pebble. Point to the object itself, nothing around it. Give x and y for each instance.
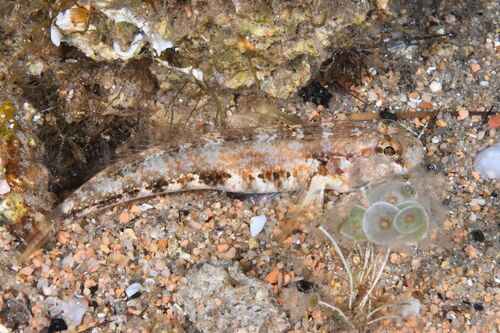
(221, 248)
(411, 308)
(4, 187)
(478, 307)
(477, 235)
(57, 325)
(118, 259)
(462, 114)
(62, 237)
(144, 207)
(124, 217)
(475, 68)
(472, 252)
(133, 289)
(257, 223)
(252, 243)
(73, 310)
(432, 167)
(435, 86)
(477, 202)
(68, 261)
(230, 254)
(273, 276)
(441, 123)
(304, 286)
(487, 162)
(493, 122)
(27, 271)
(436, 139)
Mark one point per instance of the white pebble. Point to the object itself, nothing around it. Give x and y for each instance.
(257, 223)
(478, 201)
(4, 186)
(72, 310)
(487, 162)
(436, 139)
(412, 308)
(133, 289)
(145, 207)
(68, 261)
(435, 86)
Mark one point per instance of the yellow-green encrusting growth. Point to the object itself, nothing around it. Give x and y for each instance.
(13, 208)
(7, 122)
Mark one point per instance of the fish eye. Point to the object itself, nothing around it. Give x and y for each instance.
(389, 151)
(389, 147)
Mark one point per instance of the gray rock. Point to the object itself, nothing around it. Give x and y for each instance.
(16, 313)
(218, 297)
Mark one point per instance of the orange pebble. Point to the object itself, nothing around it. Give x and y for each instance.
(494, 121)
(425, 105)
(273, 276)
(62, 237)
(475, 68)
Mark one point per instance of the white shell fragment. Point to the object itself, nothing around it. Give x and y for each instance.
(133, 289)
(145, 207)
(435, 86)
(487, 162)
(71, 310)
(63, 30)
(4, 186)
(159, 44)
(410, 308)
(132, 50)
(257, 223)
(63, 20)
(55, 35)
(196, 73)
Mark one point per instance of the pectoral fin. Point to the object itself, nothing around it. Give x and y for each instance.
(308, 207)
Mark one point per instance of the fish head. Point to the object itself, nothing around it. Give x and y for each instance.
(399, 146)
(393, 151)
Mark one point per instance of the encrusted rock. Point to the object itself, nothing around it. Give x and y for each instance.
(218, 297)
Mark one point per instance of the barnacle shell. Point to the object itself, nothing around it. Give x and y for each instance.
(378, 223)
(352, 227)
(392, 192)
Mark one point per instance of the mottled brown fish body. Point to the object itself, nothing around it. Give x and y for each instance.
(278, 159)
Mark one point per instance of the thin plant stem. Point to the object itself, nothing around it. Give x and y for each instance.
(390, 316)
(373, 263)
(344, 262)
(377, 278)
(365, 270)
(336, 309)
(359, 252)
(385, 306)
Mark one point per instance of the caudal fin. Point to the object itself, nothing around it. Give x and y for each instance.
(46, 230)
